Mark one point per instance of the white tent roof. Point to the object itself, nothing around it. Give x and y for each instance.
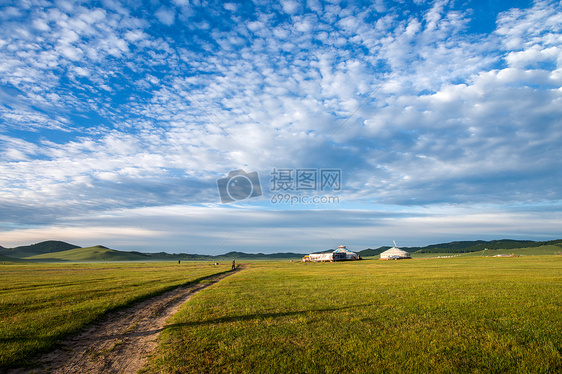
(394, 251)
(343, 248)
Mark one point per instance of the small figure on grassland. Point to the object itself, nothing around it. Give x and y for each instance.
(233, 264)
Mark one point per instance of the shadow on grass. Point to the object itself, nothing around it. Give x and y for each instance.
(261, 316)
(248, 317)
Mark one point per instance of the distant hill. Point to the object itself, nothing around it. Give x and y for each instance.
(61, 251)
(372, 252)
(159, 256)
(101, 253)
(480, 245)
(466, 246)
(10, 259)
(49, 246)
(95, 253)
(542, 250)
(260, 256)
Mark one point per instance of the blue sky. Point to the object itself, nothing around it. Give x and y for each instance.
(117, 118)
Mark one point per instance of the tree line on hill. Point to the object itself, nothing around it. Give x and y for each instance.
(466, 246)
(480, 245)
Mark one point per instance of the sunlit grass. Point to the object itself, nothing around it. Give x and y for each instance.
(446, 315)
(41, 303)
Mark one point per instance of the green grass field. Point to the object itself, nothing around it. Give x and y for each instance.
(41, 303)
(464, 314)
(468, 314)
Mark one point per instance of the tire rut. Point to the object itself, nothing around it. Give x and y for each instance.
(121, 341)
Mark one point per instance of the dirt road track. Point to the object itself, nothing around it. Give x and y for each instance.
(120, 341)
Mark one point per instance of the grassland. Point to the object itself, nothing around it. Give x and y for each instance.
(463, 314)
(41, 303)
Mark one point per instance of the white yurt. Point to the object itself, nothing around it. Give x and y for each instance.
(340, 254)
(319, 257)
(394, 253)
(343, 254)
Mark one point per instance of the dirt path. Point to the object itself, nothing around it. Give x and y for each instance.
(121, 341)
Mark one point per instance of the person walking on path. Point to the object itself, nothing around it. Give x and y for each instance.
(233, 264)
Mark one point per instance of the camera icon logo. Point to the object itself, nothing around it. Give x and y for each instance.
(239, 185)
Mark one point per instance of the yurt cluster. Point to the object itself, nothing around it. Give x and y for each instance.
(343, 254)
(340, 254)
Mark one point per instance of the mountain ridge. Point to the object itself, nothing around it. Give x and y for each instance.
(48, 246)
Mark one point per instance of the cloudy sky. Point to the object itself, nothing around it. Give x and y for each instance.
(441, 119)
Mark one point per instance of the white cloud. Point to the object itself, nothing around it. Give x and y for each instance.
(413, 27)
(166, 16)
(83, 236)
(534, 55)
(230, 6)
(41, 25)
(203, 229)
(290, 6)
(420, 112)
(433, 16)
(71, 53)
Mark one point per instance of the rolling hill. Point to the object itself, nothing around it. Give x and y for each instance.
(61, 251)
(260, 256)
(475, 246)
(372, 252)
(4, 259)
(549, 249)
(95, 253)
(480, 245)
(101, 253)
(49, 246)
